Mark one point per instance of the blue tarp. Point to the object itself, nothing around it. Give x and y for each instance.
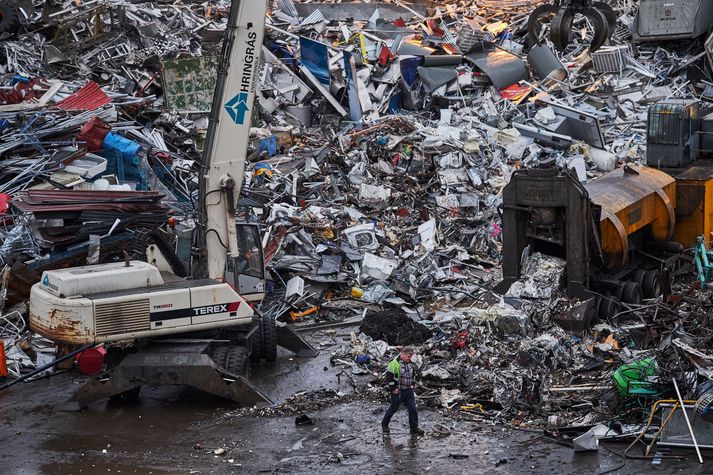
(127, 148)
(123, 160)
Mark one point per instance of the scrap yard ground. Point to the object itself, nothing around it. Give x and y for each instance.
(173, 431)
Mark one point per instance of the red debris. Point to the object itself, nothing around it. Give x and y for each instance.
(93, 133)
(21, 92)
(89, 97)
(459, 341)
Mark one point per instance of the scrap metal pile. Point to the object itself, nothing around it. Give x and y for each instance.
(401, 213)
(383, 136)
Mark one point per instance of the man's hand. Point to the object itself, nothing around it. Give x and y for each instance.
(395, 392)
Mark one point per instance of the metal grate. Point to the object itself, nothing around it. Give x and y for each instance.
(611, 59)
(121, 317)
(664, 124)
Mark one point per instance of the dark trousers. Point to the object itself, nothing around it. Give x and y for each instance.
(408, 399)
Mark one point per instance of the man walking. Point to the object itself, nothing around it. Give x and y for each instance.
(399, 378)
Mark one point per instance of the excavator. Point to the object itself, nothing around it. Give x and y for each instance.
(203, 331)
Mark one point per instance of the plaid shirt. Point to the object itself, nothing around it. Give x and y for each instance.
(406, 376)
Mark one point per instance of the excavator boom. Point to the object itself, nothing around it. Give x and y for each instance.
(227, 139)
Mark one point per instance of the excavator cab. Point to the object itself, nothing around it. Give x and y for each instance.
(246, 273)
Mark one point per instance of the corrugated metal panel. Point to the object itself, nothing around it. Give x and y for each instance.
(85, 200)
(122, 317)
(89, 97)
(315, 17)
(82, 196)
(288, 7)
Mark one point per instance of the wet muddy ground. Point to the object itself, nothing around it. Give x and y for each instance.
(174, 430)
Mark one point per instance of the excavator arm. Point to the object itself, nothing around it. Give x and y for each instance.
(226, 144)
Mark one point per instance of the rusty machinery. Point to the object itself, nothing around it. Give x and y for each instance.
(679, 141)
(614, 232)
(621, 233)
(561, 15)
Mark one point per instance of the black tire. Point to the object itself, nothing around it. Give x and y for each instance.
(639, 278)
(9, 18)
(631, 293)
(269, 338)
(256, 345)
(220, 354)
(237, 361)
(610, 307)
(651, 286)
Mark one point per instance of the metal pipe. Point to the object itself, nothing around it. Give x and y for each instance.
(48, 365)
(688, 422)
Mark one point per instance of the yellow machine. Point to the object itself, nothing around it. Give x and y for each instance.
(615, 233)
(632, 199)
(694, 203)
(679, 140)
(622, 233)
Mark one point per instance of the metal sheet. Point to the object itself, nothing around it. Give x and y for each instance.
(358, 10)
(503, 68)
(545, 63)
(315, 57)
(433, 78)
(355, 111)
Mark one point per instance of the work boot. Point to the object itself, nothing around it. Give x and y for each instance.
(417, 431)
(385, 429)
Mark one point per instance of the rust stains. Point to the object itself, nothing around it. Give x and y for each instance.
(60, 328)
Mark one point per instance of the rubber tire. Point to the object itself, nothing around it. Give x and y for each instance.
(631, 293)
(256, 346)
(220, 355)
(651, 286)
(237, 361)
(610, 307)
(639, 278)
(9, 18)
(269, 339)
